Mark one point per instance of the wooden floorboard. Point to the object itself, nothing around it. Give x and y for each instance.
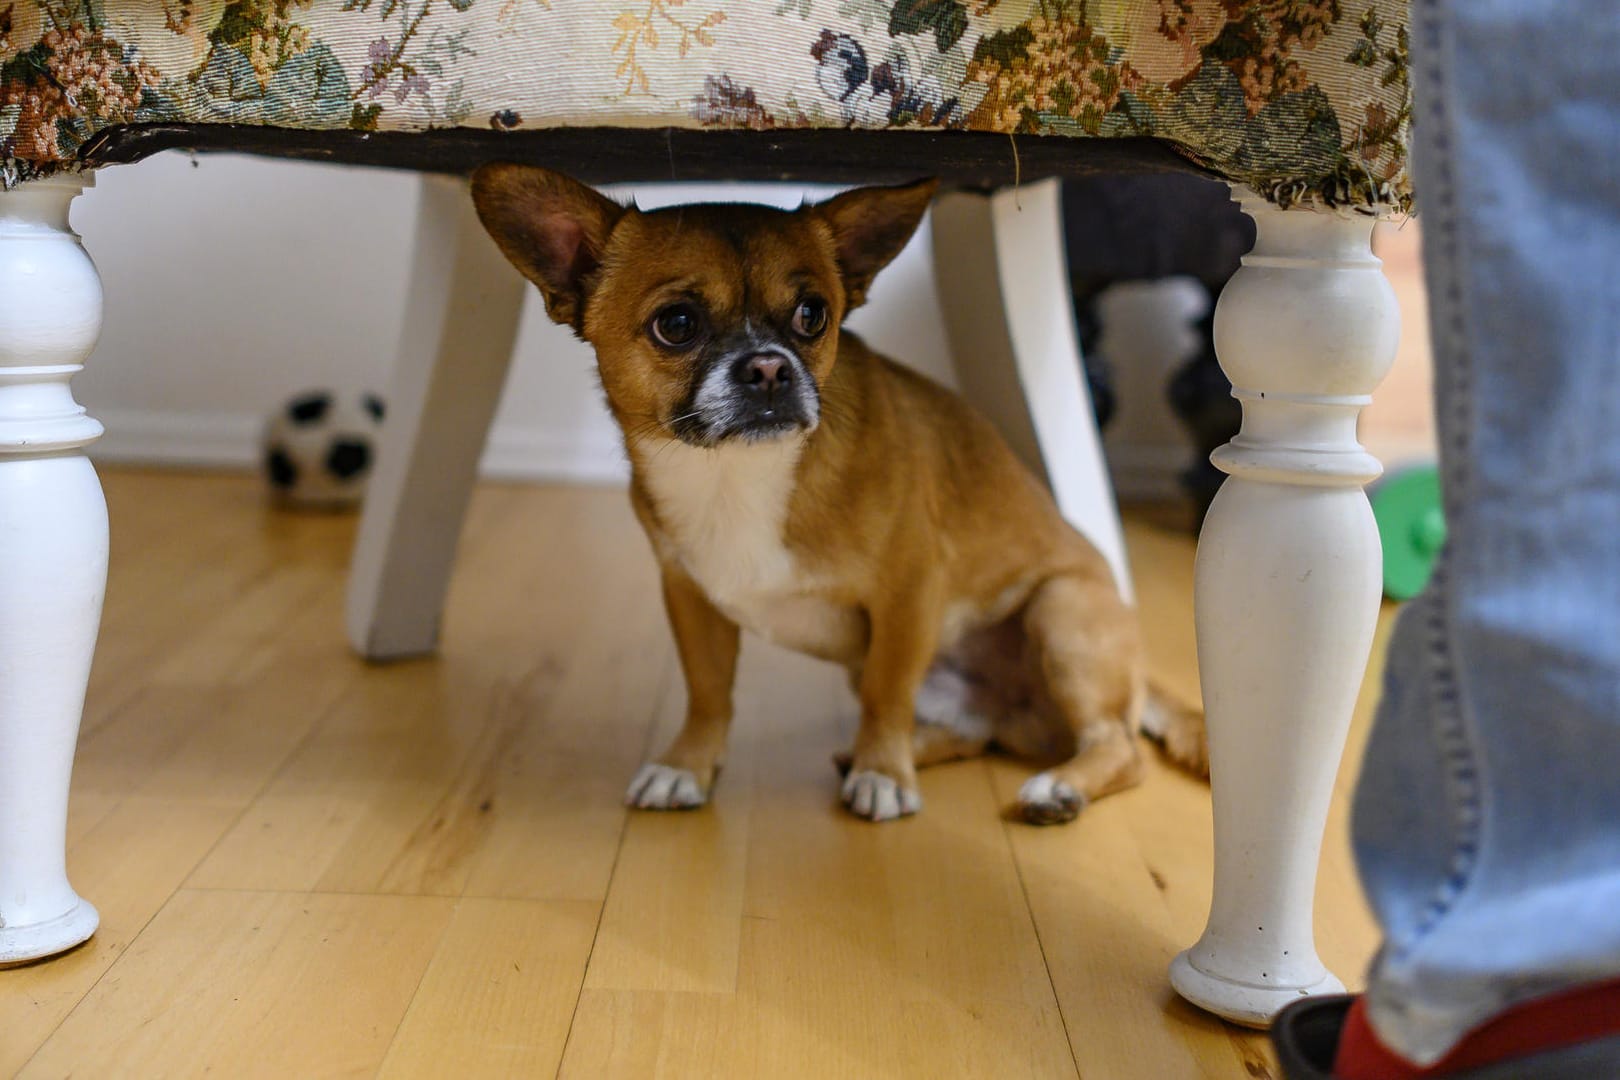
(308, 866)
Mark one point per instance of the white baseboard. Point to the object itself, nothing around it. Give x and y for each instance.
(182, 439)
(516, 453)
(231, 441)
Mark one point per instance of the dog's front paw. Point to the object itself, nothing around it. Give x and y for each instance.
(664, 787)
(1046, 800)
(876, 797)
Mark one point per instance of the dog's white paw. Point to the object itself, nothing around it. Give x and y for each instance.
(877, 797)
(1046, 800)
(664, 787)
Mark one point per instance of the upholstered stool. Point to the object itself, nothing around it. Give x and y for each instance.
(1301, 105)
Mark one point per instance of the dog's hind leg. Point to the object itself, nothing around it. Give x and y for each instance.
(934, 744)
(952, 720)
(1083, 643)
(1177, 728)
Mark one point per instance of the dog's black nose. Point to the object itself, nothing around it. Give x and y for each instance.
(766, 372)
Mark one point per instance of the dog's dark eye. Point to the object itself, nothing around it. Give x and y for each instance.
(809, 318)
(676, 326)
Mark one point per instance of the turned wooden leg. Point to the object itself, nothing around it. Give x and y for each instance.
(1287, 593)
(53, 559)
(461, 320)
(1003, 280)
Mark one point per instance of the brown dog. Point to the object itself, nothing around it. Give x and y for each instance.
(795, 484)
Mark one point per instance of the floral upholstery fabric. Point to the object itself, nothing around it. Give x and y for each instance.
(1304, 100)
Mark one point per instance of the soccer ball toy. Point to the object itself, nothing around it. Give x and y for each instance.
(320, 447)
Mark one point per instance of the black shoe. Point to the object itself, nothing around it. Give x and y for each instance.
(1306, 1035)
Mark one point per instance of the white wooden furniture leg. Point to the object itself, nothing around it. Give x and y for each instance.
(461, 320)
(1287, 593)
(1003, 281)
(53, 559)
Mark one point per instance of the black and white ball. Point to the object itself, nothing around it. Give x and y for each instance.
(320, 447)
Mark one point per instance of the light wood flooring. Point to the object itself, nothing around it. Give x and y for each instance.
(307, 866)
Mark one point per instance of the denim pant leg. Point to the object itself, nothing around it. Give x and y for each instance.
(1487, 816)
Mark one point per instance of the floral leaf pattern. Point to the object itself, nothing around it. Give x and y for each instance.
(638, 31)
(1307, 101)
(946, 19)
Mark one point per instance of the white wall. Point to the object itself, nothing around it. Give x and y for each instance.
(234, 282)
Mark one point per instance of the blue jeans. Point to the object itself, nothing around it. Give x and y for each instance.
(1487, 817)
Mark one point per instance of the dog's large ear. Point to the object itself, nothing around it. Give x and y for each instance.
(869, 226)
(552, 227)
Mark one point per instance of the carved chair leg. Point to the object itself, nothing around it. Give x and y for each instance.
(53, 559)
(1287, 594)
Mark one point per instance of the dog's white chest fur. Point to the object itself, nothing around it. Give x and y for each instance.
(723, 511)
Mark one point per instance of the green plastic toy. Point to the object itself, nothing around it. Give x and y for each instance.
(1411, 526)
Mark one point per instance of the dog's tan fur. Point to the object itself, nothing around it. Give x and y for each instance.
(898, 537)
